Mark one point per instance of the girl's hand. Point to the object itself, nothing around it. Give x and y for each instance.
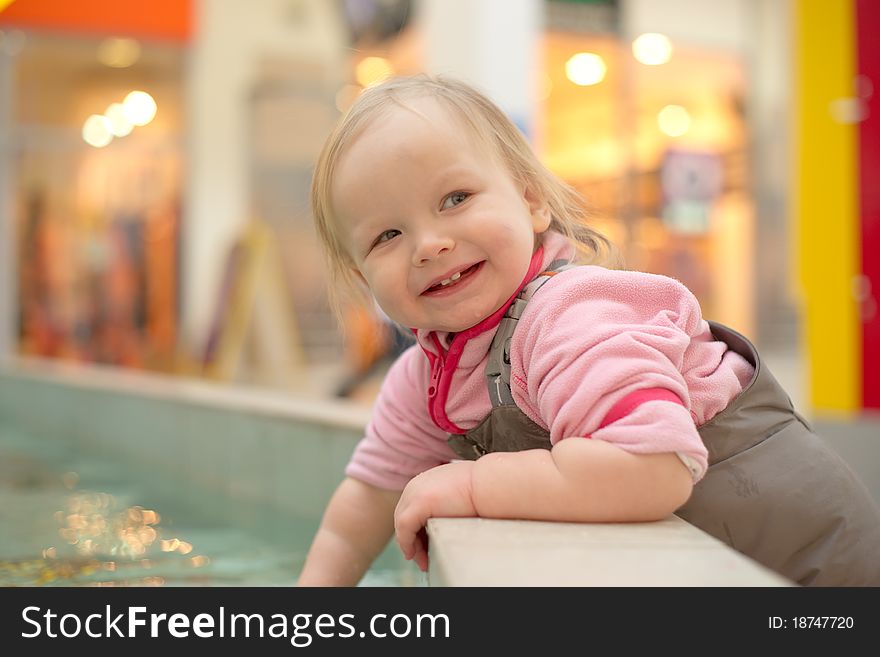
(444, 492)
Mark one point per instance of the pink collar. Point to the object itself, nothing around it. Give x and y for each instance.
(443, 365)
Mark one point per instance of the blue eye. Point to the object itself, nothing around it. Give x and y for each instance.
(386, 236)
(454, 199)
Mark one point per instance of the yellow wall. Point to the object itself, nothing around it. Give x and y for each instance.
(827, 201)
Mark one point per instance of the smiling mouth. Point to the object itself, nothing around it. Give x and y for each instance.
(453, 280)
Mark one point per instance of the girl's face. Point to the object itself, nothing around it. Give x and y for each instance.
(434, 225)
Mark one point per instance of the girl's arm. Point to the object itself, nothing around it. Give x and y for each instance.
(579, 480)
(356, 526)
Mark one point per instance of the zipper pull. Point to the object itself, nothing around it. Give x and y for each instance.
(436, 370)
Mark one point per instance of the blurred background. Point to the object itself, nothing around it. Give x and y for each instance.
(155, 160)
(154, 168)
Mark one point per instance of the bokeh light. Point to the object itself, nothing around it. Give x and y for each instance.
(139, 107)
(120, 126)
(652, 49)
(674, 120)
(585, 69)
(372, 70)
(96, 131)
(119, 52)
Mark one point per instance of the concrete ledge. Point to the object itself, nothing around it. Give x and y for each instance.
(672, 552)
(252, 400)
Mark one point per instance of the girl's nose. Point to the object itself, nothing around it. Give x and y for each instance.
(431, 246)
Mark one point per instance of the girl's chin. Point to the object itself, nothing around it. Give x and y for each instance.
(458, 316)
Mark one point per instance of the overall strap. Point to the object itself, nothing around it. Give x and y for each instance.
(498, 363)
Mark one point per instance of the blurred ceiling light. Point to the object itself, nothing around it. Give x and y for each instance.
(96, 131)
(346, 96)
(139, 107)
(120, 126)
(585, 69)
(674, 120)
(652, 49)
(372, 70)
(119, 52)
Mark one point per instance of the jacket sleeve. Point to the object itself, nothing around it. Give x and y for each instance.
(400, 440)
(600, 354)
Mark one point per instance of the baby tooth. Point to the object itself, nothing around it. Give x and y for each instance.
(454, 277)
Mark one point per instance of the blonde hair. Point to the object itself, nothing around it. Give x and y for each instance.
(488, 123)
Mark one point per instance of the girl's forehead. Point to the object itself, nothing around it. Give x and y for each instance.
(408, 148)
(424, 118)
(419, 112)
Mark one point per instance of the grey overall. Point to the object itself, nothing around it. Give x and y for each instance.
(773, 491)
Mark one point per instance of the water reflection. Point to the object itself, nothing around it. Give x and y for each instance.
(105, 543)
(76, 517)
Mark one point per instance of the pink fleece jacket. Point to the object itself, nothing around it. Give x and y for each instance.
(619, 356)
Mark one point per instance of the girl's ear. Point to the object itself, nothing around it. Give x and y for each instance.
(538, 208)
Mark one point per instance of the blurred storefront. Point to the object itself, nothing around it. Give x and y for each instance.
(186, 246)
(96, 225)
(660, 150)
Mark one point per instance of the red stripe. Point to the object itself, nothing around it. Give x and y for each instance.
(635, 399)
(867, 24)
